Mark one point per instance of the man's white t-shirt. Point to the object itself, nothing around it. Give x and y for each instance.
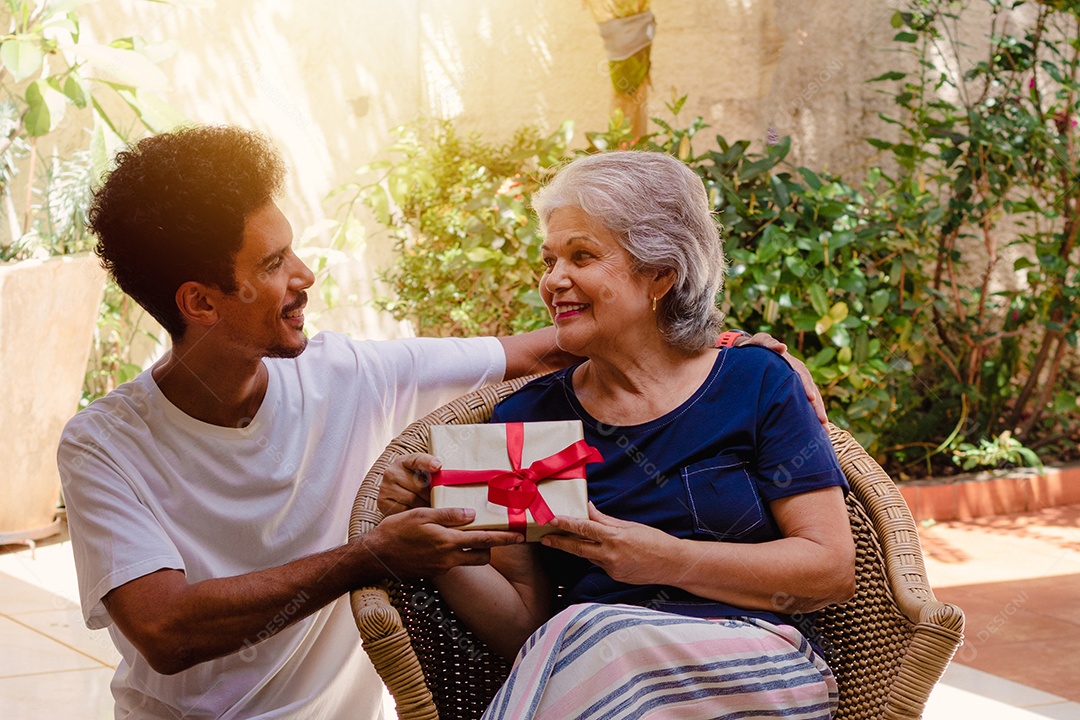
(148, 487)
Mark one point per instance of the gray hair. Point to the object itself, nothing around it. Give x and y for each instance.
(658, 208)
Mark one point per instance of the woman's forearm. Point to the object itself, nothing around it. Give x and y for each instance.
(813, 565)
(789, 575)
(502, 603)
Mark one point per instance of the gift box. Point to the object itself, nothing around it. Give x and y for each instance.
(516, 476)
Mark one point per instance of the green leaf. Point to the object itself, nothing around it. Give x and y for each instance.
(879, 300)
(861, 408)
(76, 91)
(862, 348)
(773, 240)
(104, 144)
(811, 178)
(804, 322)
(819, 299)
(822, 358)
(676, 106)
(482, 255)
(1022, 262)
(1065, 402)
(891, 75)
(126, 67)
(897, 20)
(880, 144)
(838, 312)
(906, 37)
(1053, 71)
(156, 114)
(330, 291)
(21, 57)
(1030, 458)
(839, 336)
(127, 371)
(532, 298)
(780, 191)
(379, 203)
(46, 108)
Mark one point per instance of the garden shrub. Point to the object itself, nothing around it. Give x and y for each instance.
(986, 173)
(465, 240)
(889, 289)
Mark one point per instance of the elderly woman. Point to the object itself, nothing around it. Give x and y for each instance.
(717, 520)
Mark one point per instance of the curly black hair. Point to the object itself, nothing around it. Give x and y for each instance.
(173, 210)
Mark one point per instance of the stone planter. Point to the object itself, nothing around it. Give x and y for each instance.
(1003, 492)
(48, 310)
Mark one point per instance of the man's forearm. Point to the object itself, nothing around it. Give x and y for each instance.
(177, 625)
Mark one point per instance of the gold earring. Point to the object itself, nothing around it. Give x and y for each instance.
(654, 303)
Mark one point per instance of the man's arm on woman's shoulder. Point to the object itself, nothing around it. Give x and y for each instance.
(534, 352)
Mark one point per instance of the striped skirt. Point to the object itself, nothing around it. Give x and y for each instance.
(621, 661)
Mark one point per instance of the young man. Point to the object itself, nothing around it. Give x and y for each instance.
(209, 498)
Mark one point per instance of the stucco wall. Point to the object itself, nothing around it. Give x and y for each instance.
(328, 80)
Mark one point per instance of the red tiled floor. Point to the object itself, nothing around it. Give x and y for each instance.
(1017, 578)
(1051, 666)
(1000, 612)
(1045, 597)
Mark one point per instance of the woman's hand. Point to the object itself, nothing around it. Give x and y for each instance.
(406, 483)
(627, 551)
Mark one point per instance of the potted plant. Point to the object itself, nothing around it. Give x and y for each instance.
(56, 136)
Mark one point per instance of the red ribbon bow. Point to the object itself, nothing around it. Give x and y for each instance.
(516, 489)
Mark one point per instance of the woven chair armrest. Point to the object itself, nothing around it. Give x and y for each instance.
(939, 626)
(382, 633)
(895, 527)
(387, 644)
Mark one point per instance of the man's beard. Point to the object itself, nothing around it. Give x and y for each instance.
(286, 351)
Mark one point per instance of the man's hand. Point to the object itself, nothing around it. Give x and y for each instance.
(767, 341)
(424, 542)
(534, 352)
(406, 483)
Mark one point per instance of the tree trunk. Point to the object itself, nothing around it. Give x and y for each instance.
(628, 57)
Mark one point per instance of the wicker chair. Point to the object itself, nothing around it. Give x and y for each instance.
(888, 645)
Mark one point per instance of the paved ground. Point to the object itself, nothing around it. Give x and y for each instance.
(1017, 578)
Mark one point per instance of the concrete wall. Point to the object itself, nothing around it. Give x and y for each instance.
(328, 80)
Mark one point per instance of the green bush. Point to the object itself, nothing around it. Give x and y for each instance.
(805, 256)
(457, 208)
(919, 349)
(986, 159)
(810, 265)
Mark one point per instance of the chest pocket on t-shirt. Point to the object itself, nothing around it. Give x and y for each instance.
(722, 498)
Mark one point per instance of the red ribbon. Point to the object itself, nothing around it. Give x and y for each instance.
(516, 489)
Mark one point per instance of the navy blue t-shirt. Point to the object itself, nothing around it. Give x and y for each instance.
(707, 470)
